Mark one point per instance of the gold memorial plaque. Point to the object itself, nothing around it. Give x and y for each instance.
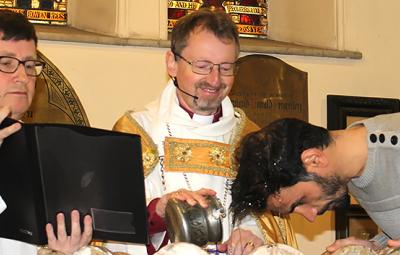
(267, 88)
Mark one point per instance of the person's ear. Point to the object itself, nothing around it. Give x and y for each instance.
(314, 159)
(172, 65)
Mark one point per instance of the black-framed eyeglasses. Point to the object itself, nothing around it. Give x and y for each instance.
(11, 64)
(205, 67)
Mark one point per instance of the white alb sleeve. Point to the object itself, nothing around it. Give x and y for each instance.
(3, 205)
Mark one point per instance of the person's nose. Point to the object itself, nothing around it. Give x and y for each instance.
(214, 78)
(308, 212)
(20, 73)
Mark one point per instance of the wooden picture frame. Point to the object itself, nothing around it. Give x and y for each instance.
(352, 220)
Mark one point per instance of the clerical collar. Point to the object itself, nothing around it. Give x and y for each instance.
(202, 118)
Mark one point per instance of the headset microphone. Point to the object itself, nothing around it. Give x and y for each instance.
(184, 92)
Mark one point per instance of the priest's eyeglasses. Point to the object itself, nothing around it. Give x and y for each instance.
(11, 64)
(205, 67)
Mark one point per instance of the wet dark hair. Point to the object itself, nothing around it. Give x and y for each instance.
(270, 159)
(217, 22)
(15, 26)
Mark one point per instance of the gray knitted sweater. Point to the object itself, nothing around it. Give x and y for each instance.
(378, 188)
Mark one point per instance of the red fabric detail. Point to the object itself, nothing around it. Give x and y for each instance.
(217, 114)
(187, 110)
(150, 248)
(156, 224)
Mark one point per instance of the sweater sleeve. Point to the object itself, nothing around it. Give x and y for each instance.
(380, 240)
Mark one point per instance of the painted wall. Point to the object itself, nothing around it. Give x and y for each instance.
(122, 18)
(112, 79)
(287, 22)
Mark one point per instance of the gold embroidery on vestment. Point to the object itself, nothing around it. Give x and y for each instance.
(150, 155)
(197, 156)
(149, 158)
(183, 153)
(217, 155)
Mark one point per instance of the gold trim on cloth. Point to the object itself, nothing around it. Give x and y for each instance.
(150, 156)
(276, 229)
(198, 156)
(85, 250)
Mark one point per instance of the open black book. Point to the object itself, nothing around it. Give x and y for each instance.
(51, 168)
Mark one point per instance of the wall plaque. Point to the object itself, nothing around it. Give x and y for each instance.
(267, 88)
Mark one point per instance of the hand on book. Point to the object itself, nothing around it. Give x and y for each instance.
(69, 244)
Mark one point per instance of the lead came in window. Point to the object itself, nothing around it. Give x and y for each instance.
(250, 16)
(52, 12)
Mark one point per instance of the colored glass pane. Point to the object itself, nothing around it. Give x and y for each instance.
(53, 12)
(250, 16)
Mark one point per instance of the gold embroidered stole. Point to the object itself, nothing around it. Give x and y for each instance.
(276, 229)
(198, 156)
(150, 156)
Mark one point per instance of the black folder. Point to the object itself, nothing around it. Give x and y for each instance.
(51, 168)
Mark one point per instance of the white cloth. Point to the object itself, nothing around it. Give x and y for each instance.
(12, 247)
(3, 205)
(278, 249)
(181, 249)
(164, 118)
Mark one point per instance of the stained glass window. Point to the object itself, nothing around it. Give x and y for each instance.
(250, 16)
(52, 12)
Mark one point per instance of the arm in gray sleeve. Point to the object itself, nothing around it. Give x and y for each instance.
(380, 240)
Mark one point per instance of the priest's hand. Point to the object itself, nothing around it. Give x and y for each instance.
(240, 242)
(69, 244)
(5, 132)
(191, 197)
